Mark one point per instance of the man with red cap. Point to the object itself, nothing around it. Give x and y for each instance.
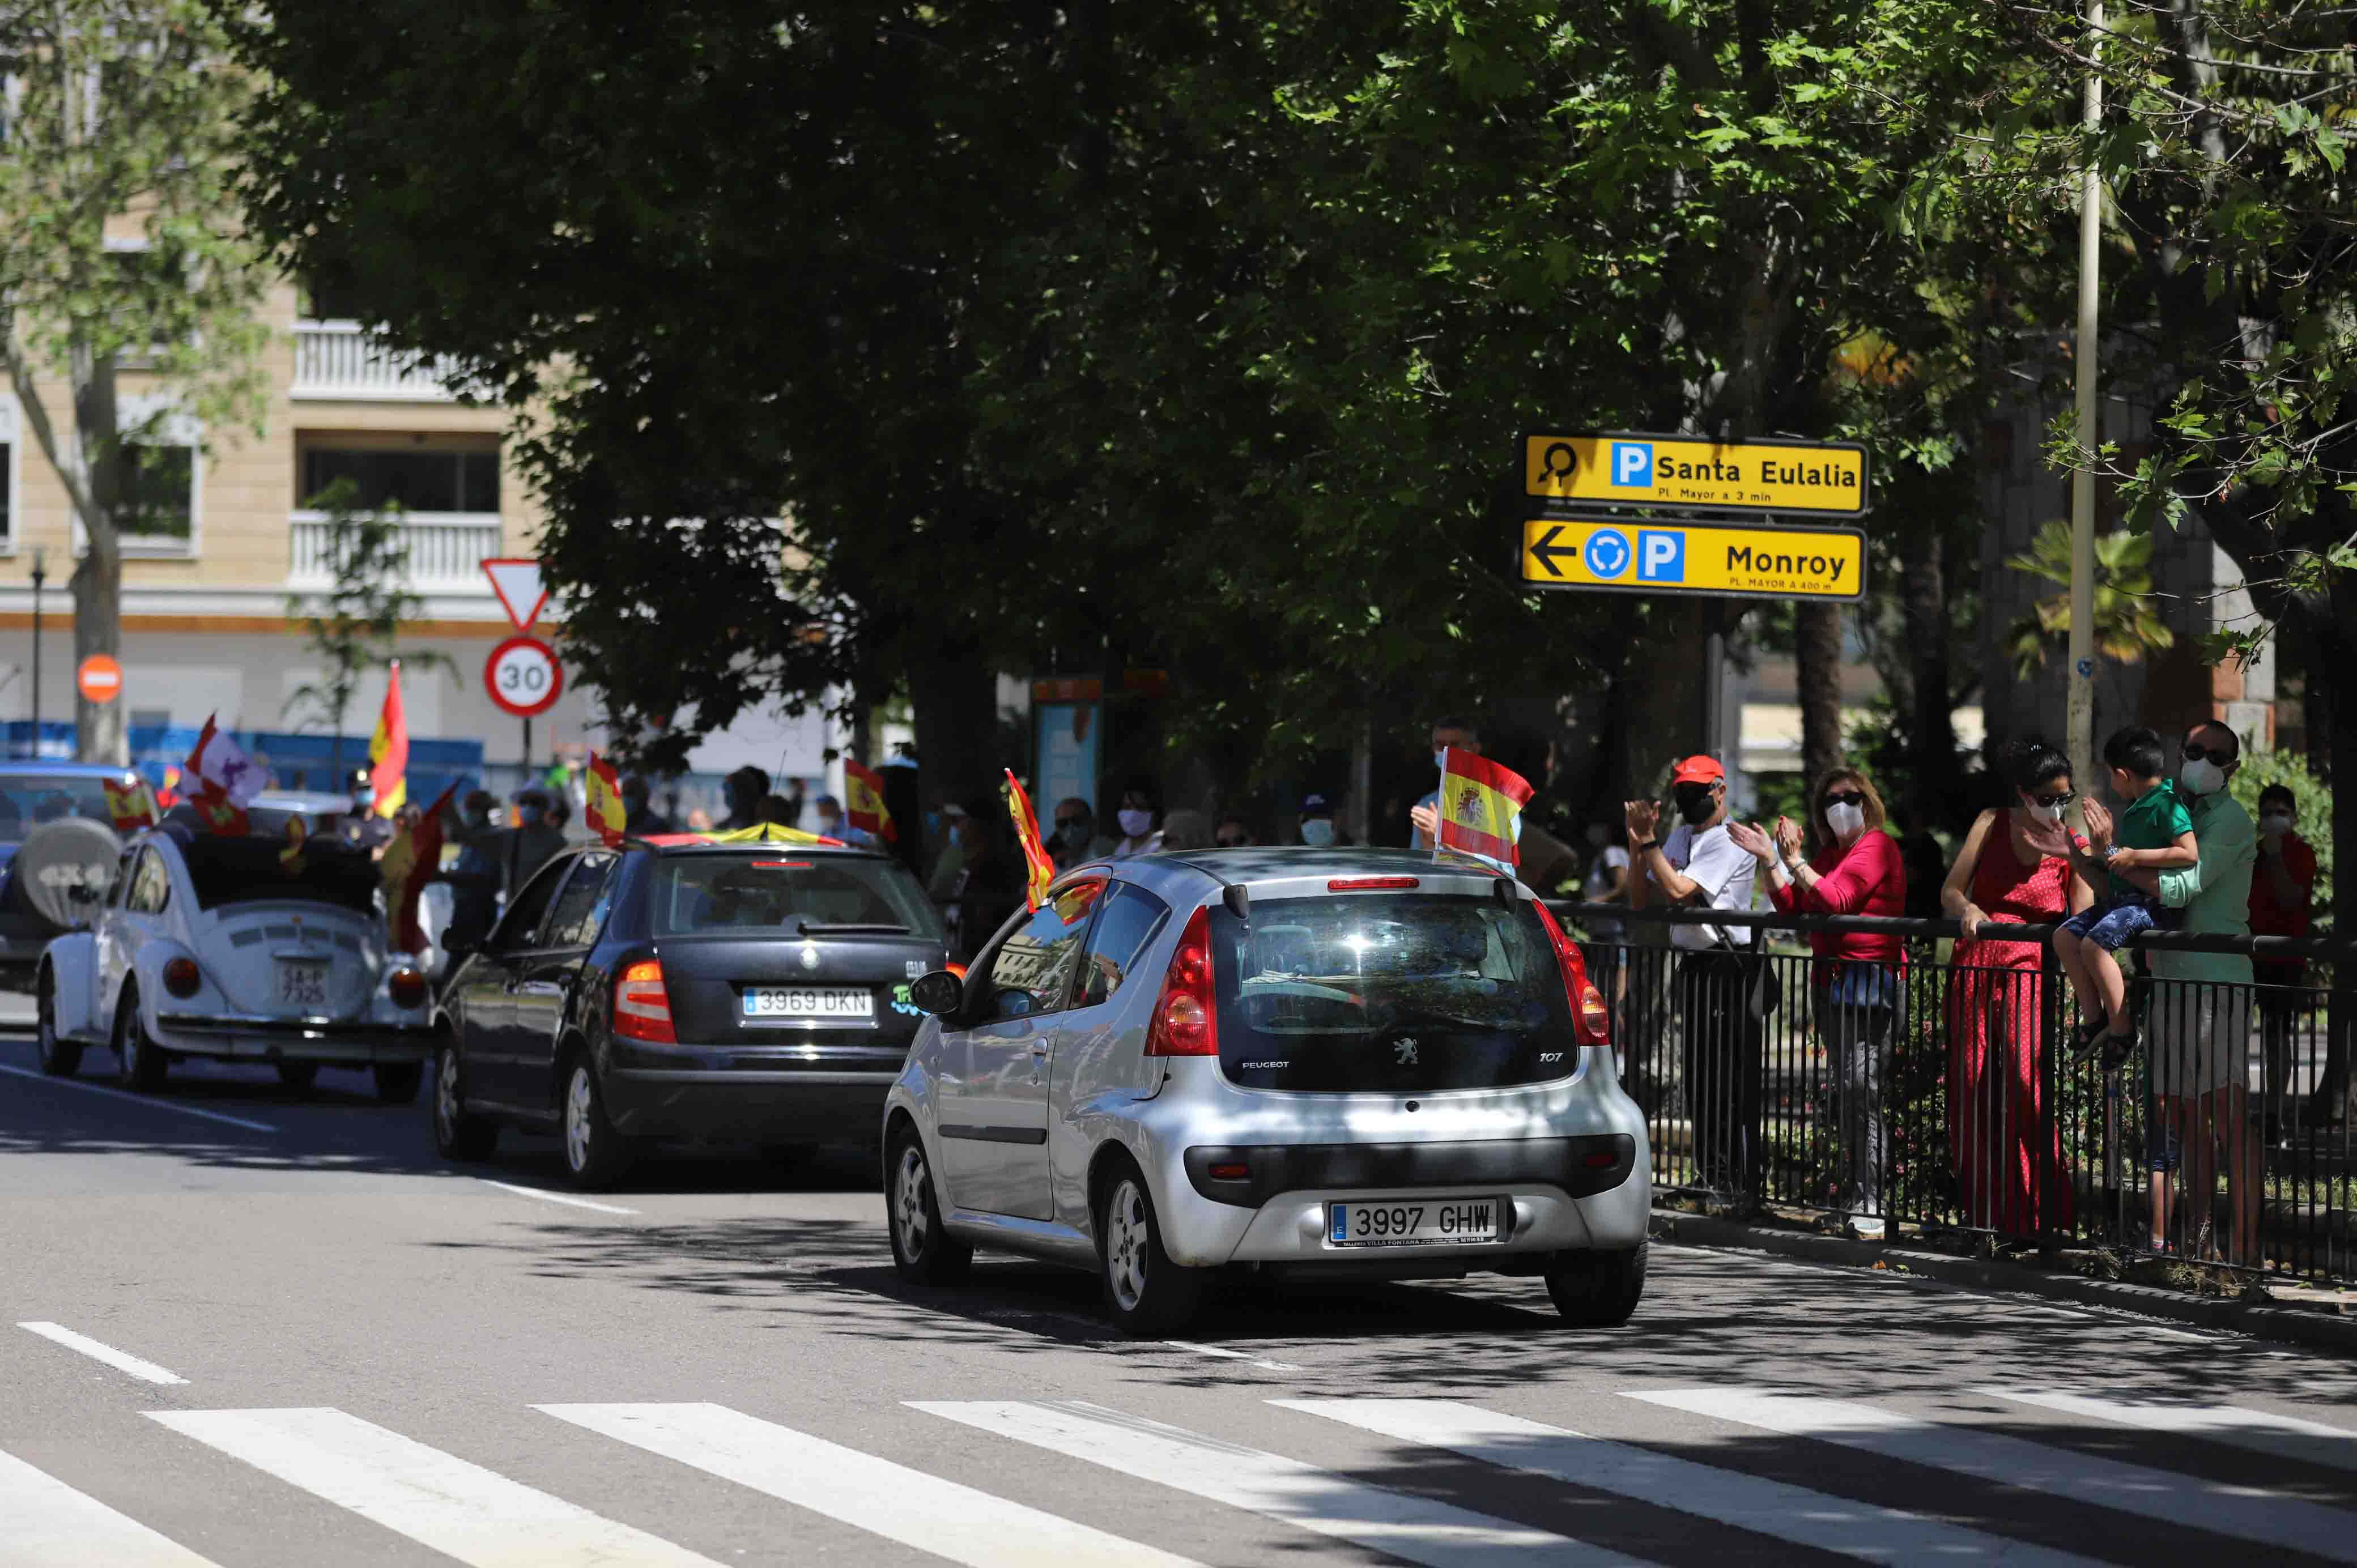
(1697, 864)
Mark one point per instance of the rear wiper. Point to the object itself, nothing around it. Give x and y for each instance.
(853, 930)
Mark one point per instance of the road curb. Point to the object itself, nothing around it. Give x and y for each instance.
(2314, 1330)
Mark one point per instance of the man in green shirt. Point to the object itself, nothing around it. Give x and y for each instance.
(2200, 1023)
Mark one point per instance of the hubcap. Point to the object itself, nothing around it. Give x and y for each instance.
(1125, 1244)
(909, 1202)
(576, 1119)
(446, 1093)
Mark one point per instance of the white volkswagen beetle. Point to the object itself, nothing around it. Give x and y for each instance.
(216, 946)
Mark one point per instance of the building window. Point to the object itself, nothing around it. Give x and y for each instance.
(158, 489)
(415, 481)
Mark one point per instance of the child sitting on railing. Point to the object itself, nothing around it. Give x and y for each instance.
(2156, 826)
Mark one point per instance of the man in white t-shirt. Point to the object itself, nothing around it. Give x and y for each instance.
(1697, 864)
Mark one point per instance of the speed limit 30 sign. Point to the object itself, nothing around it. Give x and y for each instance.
(524, 676)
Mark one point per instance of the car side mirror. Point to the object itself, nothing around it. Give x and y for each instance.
(939, 992)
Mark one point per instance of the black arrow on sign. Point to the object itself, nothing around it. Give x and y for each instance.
(1546, 550)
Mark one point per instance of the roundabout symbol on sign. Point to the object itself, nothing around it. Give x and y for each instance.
(524, 676)
(1608, 553)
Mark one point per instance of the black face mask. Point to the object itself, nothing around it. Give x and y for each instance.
(1695, 802)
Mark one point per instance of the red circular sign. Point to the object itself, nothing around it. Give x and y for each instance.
(99, 679)
(524, 676)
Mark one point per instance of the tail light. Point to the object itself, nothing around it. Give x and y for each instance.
(1185, 1024)
(1590, 1020)
(408, 988)
(642, 1006)
(1371, 885)
(181, 977)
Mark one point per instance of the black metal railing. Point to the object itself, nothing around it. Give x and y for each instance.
(1948, 1092)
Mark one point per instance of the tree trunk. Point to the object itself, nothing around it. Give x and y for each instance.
(1931, 730)
(2334, 645)
(97, 581)
(1818, 637)
(954, 691)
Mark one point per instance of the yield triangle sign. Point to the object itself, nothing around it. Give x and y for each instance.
(518, 585)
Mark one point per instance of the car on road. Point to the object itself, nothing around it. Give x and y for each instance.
(241, 947)
(672, 988)
(57, 835)
(1348, 1063)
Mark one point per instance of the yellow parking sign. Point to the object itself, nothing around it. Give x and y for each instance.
(1735, 560)
(1633, 468)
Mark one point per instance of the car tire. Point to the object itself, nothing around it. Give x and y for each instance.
(922, 1249)
(58, 1058)
(458, 1134)
(596, 1157)
(1596, 1289)
(396, 1082)
(139, 1061)
(1146, 1294)
(298, 1075)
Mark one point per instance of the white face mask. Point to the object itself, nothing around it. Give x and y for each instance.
(1136, 824)
(1846, 821)
(2047, 814)
(2274, 822)
(1318, 832)
(2202, 777)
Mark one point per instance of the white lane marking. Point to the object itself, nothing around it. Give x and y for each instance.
(860, 1489)
(44, 1524)
(459, 1509)
(122, 1361)
(1400, 1523)
(2286, 1436)
(138, 1098)
(1788, 1512)
(564, 1197)
(1226, 1354)
(2250, 1512)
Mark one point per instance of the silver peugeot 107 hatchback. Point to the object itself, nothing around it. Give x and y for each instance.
(1354, 1063)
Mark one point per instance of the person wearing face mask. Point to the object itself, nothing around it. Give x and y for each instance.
(1852, 868)
(1075, 838)
(2283, 896)
(1136, 818)
(474, 877)
(2004, 1137)
(1719, 998)
(2201, 1015)
(1424, 817)
(531, 841)
(638, 815)
(744, 793)
(1318, 822)
(829, 822)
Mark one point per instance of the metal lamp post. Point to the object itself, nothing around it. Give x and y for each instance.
(40, 575)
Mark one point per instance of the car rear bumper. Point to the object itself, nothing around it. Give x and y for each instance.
(803, 1105)
(303, 1040)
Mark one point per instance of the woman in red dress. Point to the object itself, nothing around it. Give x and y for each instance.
(2003, 1136)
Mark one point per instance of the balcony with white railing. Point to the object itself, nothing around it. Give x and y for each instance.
(445, 550)
(344, 360)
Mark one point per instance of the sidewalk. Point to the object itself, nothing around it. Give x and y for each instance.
(2263, 1312)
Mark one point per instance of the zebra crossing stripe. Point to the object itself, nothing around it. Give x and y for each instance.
(1788, 1512)
(459, 1509)
(2285, 1436)
(875, 1495)
(1415, 1529)
(2249, 1512)
(44, 1524)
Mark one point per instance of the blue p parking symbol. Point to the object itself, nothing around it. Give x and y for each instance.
(1661, 557)
(1608, 553)
(1633, 465)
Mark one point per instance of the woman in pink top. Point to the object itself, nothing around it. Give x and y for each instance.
(1852, 868)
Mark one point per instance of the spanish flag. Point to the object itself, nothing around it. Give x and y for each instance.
(132, 805)
(1038, 870)
(863, 801)
(1480, 810)
(601, 809)
(389, 752)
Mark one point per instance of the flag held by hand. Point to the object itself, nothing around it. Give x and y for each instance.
(1481, 811)
(1039, 870)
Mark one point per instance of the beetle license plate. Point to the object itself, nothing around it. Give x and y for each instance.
(809, 1002)
(1416, 1222)
(303, 982)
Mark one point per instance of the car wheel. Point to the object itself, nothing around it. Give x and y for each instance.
(595, 1154)
(58, 1058)
(457, 1134)
(1596, 1289)
(298, 1075)
(396, 1082)
(139, 1062)
(922, 1249)
(1146, 1293)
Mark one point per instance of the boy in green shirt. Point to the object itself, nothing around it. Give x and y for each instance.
(2087, 943)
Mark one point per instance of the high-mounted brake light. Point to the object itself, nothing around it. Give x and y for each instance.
(1590, 1020)
(641, 1005)
(1185, 1021)
(1371, 883)
(782, 864)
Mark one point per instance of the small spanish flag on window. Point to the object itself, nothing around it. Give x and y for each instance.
(863, 801)
(131, 805)
(601, 807)
(1480, 810)
(1038, 870)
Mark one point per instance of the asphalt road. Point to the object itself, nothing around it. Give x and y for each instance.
(370, 1358)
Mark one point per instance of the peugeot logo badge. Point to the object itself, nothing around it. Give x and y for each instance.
(810, 957)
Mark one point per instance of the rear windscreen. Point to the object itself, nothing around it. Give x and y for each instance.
(248, 870)
(1380, 993)
(28, 799)
(774, 890)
